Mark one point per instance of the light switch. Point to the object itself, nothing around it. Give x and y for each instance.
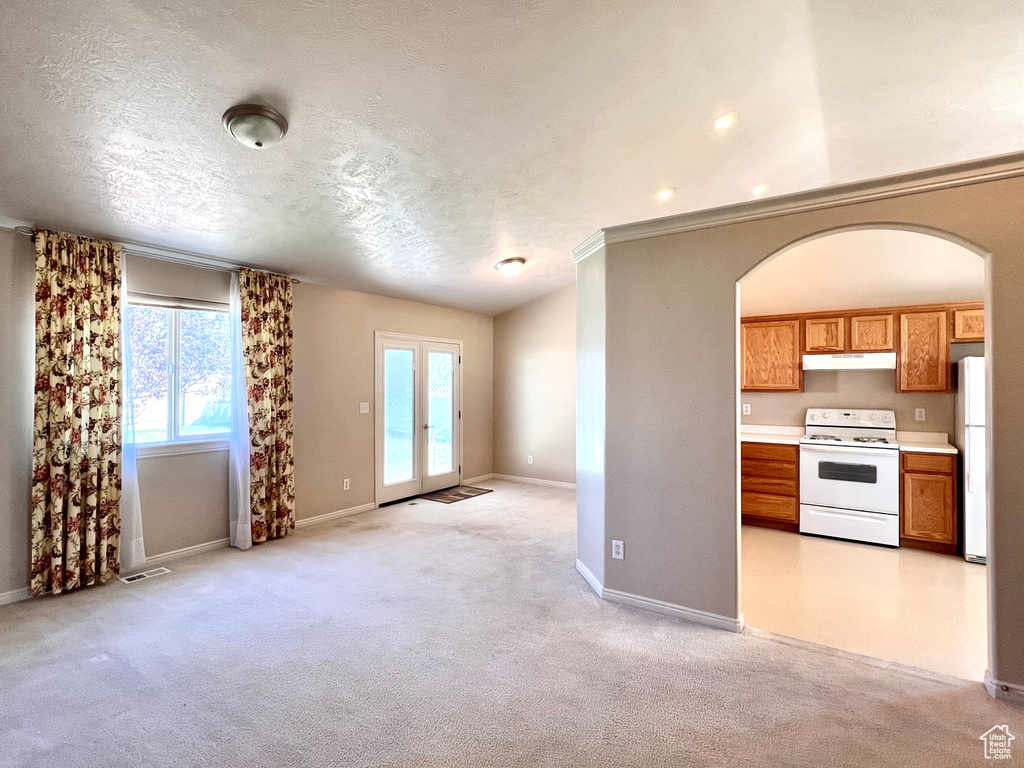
(364, 407)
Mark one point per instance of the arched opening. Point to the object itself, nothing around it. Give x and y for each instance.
(863, 464)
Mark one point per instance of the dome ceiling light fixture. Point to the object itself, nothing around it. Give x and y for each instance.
(511, 267)
(255, 125)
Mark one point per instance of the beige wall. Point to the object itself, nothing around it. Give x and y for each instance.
(17, 333)
(672, 405)
(334, 369)
(535, 388)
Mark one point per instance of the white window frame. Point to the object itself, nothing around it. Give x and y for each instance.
(178, 443)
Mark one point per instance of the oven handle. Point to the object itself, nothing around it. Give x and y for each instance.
(880, 452)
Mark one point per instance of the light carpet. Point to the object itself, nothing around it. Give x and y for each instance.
(433, 635)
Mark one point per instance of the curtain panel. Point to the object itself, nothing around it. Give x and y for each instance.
(266, 309)
(76, 478)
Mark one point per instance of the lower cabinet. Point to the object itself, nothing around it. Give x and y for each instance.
(770, 485)
(928, 517)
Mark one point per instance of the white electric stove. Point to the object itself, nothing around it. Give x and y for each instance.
(850, 475)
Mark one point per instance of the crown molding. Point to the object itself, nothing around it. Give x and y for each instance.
(589, 246)
(914, 182)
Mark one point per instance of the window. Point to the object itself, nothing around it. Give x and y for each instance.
(181, 373)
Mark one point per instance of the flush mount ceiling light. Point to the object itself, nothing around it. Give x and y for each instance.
(511, 267)
(666, 193)
(725, 122)
(255, 125)
(759, 190)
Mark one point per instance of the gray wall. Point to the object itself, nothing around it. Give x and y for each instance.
(334, 370)
(591, 371)
(185, 497)
(17, 334)
(672, 406)
(535, 388)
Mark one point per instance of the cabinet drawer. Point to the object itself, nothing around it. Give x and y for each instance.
(773, 507)
(772, 485)
(770, 451)
(780, 470)
(942, 463)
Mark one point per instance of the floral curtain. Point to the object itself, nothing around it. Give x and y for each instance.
(266, 304)
(76, 478)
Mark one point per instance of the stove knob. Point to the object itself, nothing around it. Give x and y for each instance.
(826, 415)
(886, 419)
(871, 416)
(814, 417)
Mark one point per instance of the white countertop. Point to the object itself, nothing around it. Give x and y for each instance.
(914, 442)
(759, 433)
(925, 442)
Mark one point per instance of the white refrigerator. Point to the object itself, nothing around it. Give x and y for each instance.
(970, 439)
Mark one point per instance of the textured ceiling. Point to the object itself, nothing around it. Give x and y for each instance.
(429, 140)
(863, 269)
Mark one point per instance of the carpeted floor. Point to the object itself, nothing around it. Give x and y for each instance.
(435, 635)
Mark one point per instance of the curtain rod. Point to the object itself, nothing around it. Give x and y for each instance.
(166, 254)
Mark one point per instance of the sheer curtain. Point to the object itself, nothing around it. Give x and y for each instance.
(133, 551)
(240, 505)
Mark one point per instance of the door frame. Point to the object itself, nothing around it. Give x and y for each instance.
(378, 413)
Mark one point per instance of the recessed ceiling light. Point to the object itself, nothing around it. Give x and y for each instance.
(726, 121)
(759, 190)
(511, 267)
(666, 193)
(256, 126)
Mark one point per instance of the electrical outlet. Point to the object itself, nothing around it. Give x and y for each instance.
(919, 414)
(746, 409)
(617, 550)
(347, 484)
(529, 459)
(364, 407)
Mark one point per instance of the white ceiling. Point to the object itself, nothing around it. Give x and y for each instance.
(863, 269)
(429, 140)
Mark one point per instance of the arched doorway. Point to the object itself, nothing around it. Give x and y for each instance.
(866, 555)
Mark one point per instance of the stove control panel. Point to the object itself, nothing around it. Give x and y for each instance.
(838, 417)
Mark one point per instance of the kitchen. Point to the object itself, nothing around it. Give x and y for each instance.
(862, 448)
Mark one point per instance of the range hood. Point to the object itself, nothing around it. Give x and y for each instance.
(869, 361)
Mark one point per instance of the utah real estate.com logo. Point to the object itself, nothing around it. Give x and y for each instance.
(997, 742)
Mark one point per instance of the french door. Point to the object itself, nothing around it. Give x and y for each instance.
(418, 415)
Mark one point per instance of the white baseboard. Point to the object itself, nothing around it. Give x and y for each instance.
(670, 609)
(590, 578)
(997, 689)
(14, 596)
(335, 515)
(535, 481)
(177, 554)
(475, 480)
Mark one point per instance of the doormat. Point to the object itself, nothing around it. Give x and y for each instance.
(451, 495)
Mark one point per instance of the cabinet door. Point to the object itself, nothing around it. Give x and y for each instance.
(969, 325)
(924, 352)
(871, 333)
(826, 334)
(771, 356)
(928, 508)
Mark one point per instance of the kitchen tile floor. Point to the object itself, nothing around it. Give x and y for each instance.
(904, 605)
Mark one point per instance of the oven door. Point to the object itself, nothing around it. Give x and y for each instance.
(850, 478)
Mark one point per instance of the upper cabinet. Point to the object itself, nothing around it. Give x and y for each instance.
(872, 333)
(969, 324)
(923, 364)
(771, 356)
(825, 334)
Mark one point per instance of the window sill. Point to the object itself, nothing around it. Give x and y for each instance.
(149, 450)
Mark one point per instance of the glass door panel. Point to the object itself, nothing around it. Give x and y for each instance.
(440, 412)
(399, 413)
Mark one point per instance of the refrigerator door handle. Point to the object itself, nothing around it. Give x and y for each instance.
(967, 461)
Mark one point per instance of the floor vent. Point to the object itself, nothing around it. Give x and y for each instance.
(145, 575)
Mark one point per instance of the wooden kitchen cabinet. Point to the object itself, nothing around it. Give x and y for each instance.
(771, 356)
(825, 334)
(969, 325)
(770, 485)
(923, 364)
(872, 333)
(928, 516)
